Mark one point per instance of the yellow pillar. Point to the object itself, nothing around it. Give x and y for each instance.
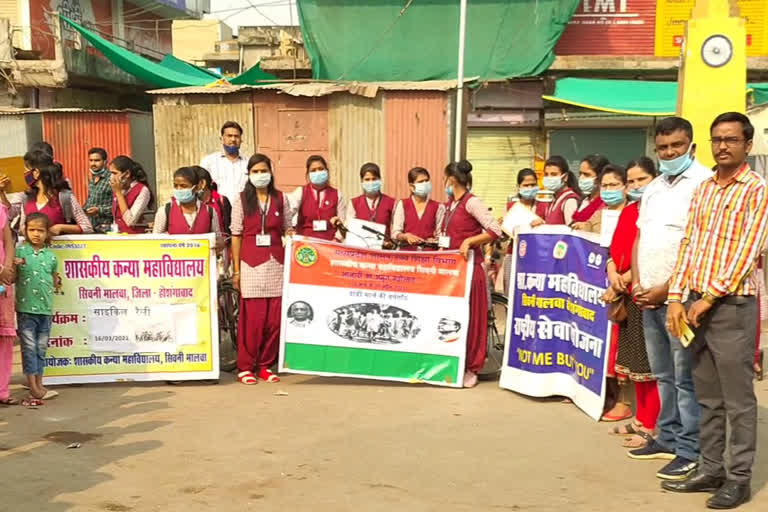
(713, 72)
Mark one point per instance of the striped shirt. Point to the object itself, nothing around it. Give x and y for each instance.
(725, 234)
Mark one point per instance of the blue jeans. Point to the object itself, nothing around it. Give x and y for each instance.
(33, 331)
(672, 365)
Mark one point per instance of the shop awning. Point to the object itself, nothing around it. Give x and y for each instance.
(633, 97)
(171, 72)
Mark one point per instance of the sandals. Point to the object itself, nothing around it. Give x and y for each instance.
(644, 440)
(609, 418)
(247, 378)
(266, 375)
(7, 402)
(32, 402)
(630, 429)
(50, 394)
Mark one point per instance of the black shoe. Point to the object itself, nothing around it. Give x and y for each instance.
(730, 495)
(679, 469)
(651, 451)
(698, 482)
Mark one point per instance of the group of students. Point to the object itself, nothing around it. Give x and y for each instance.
(683, 256)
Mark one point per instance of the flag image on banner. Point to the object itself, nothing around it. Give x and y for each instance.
(372, 314)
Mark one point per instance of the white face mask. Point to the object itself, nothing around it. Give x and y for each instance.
(260, 179)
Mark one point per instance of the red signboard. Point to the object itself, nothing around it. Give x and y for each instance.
(610, 27)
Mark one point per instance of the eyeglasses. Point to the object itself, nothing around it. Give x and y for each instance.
(729, 141)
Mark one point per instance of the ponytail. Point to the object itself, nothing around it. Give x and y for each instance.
(461, 171)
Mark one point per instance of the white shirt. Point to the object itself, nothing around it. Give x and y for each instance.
(662, 221)
(230, 176)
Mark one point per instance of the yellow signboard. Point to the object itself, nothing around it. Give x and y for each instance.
(671, 16)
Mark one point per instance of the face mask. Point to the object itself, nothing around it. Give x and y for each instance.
(100, 172)
(612, 197)
(553, 183)
(678, 165)
(231, 150)
(318, 177)
(371, 187)
(587, 185)
(449, 190)
(184, 195)
(636, 194)
(528, 193)
(422, 189)
(29, 178)
(260, 179)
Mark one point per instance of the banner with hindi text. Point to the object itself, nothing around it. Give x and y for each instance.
(139, 307)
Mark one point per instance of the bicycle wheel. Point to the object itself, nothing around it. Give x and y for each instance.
(497, 327)
(229, 303)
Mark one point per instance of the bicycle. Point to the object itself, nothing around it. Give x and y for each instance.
(228, 309)
(497, 326)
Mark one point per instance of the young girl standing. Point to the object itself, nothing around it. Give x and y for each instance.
(131, 194)
(185, 214)
(260, 218)
(7, 310)
(467, 226)
(417, 218)
(559, 180)
(319, 207)
(36, 280)
(372, 205)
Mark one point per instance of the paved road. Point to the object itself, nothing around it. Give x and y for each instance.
(325, 444)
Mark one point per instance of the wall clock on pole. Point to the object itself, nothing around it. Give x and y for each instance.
(717, 51)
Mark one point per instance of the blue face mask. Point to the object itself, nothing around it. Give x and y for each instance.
(553, 183)
(422, 189)
(587, 185)
(231, 150)
(318, 177)
(371, 187)
(528, 193)
(449, 190)
(612, 197)
(184, 195)
(676, 166)
(637, 193)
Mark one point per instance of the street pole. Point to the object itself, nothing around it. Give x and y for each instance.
(460, 80)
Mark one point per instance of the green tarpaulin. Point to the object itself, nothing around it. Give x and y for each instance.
(171, 72)
(634, 97)
(414, 40)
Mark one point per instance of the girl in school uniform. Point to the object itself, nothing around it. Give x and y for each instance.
(559, 180)
(319, 207)
(417, 218)
(372, 205)
(467, 226)
(131, 194)
(209, 195)
(50, 195)
(261, 216)
(185, 213)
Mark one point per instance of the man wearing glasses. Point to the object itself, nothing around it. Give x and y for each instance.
(725, 235)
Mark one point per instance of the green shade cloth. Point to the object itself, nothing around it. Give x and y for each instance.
(171, 72)
(370, 40)
(633, 97)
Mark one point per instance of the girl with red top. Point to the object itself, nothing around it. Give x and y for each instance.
(467, 226)
(628, 359)
(559, 180)
(50, 194)
(590, 169)
(131, 194)
(260, 217)
(372, 205)
(319, 206)
(417, 218)
(185, 214)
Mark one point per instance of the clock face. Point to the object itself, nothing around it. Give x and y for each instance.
(717, 51)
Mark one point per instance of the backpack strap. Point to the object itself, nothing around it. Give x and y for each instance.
(65, 200)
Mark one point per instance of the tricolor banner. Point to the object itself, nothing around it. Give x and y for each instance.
(387, 315)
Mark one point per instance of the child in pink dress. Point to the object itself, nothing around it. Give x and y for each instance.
(7, 309)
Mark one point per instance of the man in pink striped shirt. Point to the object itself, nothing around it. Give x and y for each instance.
(725, 235)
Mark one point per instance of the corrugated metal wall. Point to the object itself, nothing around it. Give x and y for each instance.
(356, 135)
(289, 129)
(72, 134)
(188, 127)
(610, 27)
(417, 134)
